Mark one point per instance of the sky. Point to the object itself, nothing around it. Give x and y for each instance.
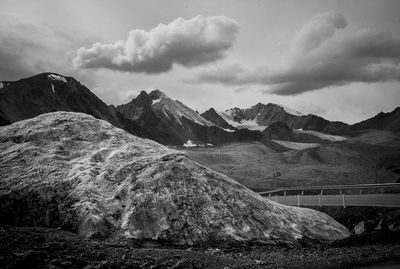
(339, 59)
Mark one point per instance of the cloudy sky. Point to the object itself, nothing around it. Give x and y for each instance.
(337, 59)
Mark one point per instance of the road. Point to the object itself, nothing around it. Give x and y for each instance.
(378, 200)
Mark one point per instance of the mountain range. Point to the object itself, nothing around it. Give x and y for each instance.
(158, 117)
(248, 145)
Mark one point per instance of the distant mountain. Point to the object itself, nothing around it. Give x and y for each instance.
(383, 121)
(49, 92)
(260, 116)
(171, 122)
(158, 117)
(216, 118)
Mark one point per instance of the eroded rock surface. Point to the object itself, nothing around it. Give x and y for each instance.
(72, 170)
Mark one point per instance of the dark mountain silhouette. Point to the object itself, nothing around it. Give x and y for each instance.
(383, 121)
(49, 92)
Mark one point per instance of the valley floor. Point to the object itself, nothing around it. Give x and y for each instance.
(27, 247)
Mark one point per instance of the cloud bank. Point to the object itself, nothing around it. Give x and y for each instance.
(323, 53)
(192, 42)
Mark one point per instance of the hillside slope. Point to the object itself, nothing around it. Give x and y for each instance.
(383, 121)
(253, 164)
(71, 170)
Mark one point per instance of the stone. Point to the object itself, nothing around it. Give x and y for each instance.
(106, 183)
(359, 228)
(379, 226)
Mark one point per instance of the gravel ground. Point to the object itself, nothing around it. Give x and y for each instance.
(27, 247)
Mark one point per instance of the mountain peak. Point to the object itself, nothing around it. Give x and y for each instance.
(157, 94)
(258, 105)
(212, 110)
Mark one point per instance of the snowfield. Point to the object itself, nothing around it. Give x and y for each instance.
(296, 145)
(333, 138)
(190, 144)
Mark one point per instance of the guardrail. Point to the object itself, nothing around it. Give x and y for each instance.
(303, 197)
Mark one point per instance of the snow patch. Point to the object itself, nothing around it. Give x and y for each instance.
(190, 144)
(227, 130)
(1, 84)
(296, 145)
(52, 88)
(333, 138)
(249, 124)
(156, 101)
(57, 77)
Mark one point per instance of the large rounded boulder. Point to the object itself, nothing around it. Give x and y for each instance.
(73, 171)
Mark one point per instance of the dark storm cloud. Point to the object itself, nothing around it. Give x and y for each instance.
(15, 60)
(323, 54)
(12, 66)
(189, 43)
(27, 49)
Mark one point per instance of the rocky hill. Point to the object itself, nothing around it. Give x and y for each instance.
(71, 170)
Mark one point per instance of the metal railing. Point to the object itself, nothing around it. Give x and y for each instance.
(380, 195)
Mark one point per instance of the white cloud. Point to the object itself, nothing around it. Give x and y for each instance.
(192, 42)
